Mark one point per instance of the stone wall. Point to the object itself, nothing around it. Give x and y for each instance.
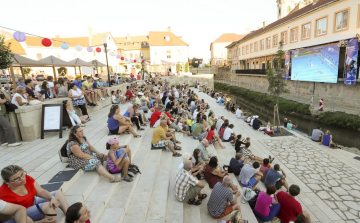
(29, 116)
(206, 79)
(337, 97)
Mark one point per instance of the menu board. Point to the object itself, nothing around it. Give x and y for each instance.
(52, 115)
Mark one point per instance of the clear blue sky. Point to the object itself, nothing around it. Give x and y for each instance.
(199, 22)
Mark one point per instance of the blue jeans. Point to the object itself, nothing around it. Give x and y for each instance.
(201, 136)
(274, 211)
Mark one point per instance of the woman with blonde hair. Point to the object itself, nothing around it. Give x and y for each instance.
(20, 98)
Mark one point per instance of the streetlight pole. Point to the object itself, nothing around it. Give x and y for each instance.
(107, 63)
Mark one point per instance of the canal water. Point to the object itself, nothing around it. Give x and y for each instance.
(342, 136)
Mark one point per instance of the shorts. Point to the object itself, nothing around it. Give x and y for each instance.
(161, 143)
(174, 126)
(230, 139)
(251, 183)
(191, 193)
(32, 211)
(115, 131)
(226, 211)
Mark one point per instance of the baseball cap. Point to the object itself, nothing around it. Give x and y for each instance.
(112, 141)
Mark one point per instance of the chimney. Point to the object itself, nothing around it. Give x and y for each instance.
(128, 37)
(90, 33)
(247, 30)
(265, 23)
(169, 29)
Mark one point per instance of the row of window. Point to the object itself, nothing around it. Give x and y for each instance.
(341, 23)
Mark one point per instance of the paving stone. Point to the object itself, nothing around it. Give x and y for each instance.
(355, 193)
(314, 186)
(353, 205)
(331, 204)
(349, 215)
(336, 197)
(340, 191)
(346, 187)
(347, 198)
(326, 183)
(354, 212)
(333, 183)
(324, 195)
(340, 213)
(341, 206)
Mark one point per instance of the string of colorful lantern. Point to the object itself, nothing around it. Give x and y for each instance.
(47, 42)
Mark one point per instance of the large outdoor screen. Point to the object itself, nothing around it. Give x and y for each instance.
(317, 64)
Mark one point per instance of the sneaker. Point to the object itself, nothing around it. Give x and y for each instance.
(102, 99)
(4, 144)
(14, 144)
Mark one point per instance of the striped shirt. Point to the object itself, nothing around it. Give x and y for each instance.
(246, 153)
(183, 181)
(219, 198)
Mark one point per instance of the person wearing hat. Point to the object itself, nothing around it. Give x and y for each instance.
(138, 100)
(119, 158)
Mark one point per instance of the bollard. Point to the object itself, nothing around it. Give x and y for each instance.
(321, 105)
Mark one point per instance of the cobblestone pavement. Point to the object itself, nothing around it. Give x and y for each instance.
(336, 183)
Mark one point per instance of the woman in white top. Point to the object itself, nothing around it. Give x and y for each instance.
(78, 98)
(19, 98)
(75, 120)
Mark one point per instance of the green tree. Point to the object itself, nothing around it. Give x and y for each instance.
(187, 67)
(195, 62)
(27, 70)
(62, 71)
(6, 56)
(276, 78)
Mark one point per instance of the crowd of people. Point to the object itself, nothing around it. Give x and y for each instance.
(167, 109)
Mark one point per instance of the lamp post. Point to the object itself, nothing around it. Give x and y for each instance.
(107, 63)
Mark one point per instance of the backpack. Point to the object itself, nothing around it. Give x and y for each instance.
(63, 153)
(248, 193)
(252, 201)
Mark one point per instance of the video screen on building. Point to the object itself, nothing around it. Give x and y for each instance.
(316, 64)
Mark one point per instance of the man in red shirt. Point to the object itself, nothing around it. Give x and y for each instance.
(264, 168)
(156, 115)
(128, 93)
(290, 207)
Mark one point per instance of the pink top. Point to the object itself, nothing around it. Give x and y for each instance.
(263, 203)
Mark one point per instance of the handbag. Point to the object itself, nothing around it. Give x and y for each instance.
(10, 107)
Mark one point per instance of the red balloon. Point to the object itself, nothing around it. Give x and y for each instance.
(143, 61)
(46, 42)
(122, 58)
(98, 49)
(134, 61)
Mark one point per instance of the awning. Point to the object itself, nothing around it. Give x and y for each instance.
(99, 63)
(24, 61)
(80, 62)
(54, 61)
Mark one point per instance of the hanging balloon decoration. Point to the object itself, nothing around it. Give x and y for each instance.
(134, 61)
(98, 49)
(78, 47)
(46, 42)
(143, 61)
(89, 49)
(64, 46)
(118, 56)
(122, 58)
(126, 60)
(19, 36)
(112, 53)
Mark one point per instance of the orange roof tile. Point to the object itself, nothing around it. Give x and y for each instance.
(15, 47)
(158, 39)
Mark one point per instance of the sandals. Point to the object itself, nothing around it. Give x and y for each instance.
(178, 142)
(82, 125)
(177, 154)
(137, 136)
(177, 148)
(140, 129)
(128, 179)
(194, 202)
(115, 180)
(203, 196)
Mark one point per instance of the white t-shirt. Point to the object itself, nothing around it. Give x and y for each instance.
(113, 99)
(51, 85)
(238, 113)
(246, 173)
(2, 205)
(138, 101)
(37, 90)
(23, 99)
(219, 124)
(176, 94)
(251, 122)
(227, 133)
(195, 114)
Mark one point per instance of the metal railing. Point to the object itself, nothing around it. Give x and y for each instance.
(251, 71)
